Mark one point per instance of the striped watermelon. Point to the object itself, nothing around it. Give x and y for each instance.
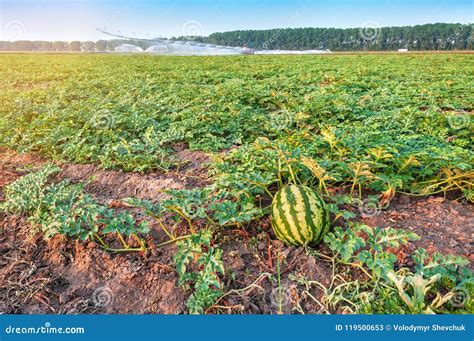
(299, 216)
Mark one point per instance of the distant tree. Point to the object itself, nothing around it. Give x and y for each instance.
(75, 46)
(22, 45)
(59, 46)
(88, 46)
(101, 45)
(44, 46)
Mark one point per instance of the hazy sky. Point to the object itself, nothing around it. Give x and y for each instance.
(78, 19)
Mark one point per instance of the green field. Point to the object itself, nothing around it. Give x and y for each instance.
(353, 127)
(127, 112)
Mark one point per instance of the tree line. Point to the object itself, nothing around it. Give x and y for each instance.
(439, 36)
(64, 46)
(372, 38)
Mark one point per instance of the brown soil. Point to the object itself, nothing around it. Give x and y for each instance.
(66, 276)
(444, 225)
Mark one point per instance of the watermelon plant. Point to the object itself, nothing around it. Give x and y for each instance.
(430, 287)
(197, 253)
(64, 208)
